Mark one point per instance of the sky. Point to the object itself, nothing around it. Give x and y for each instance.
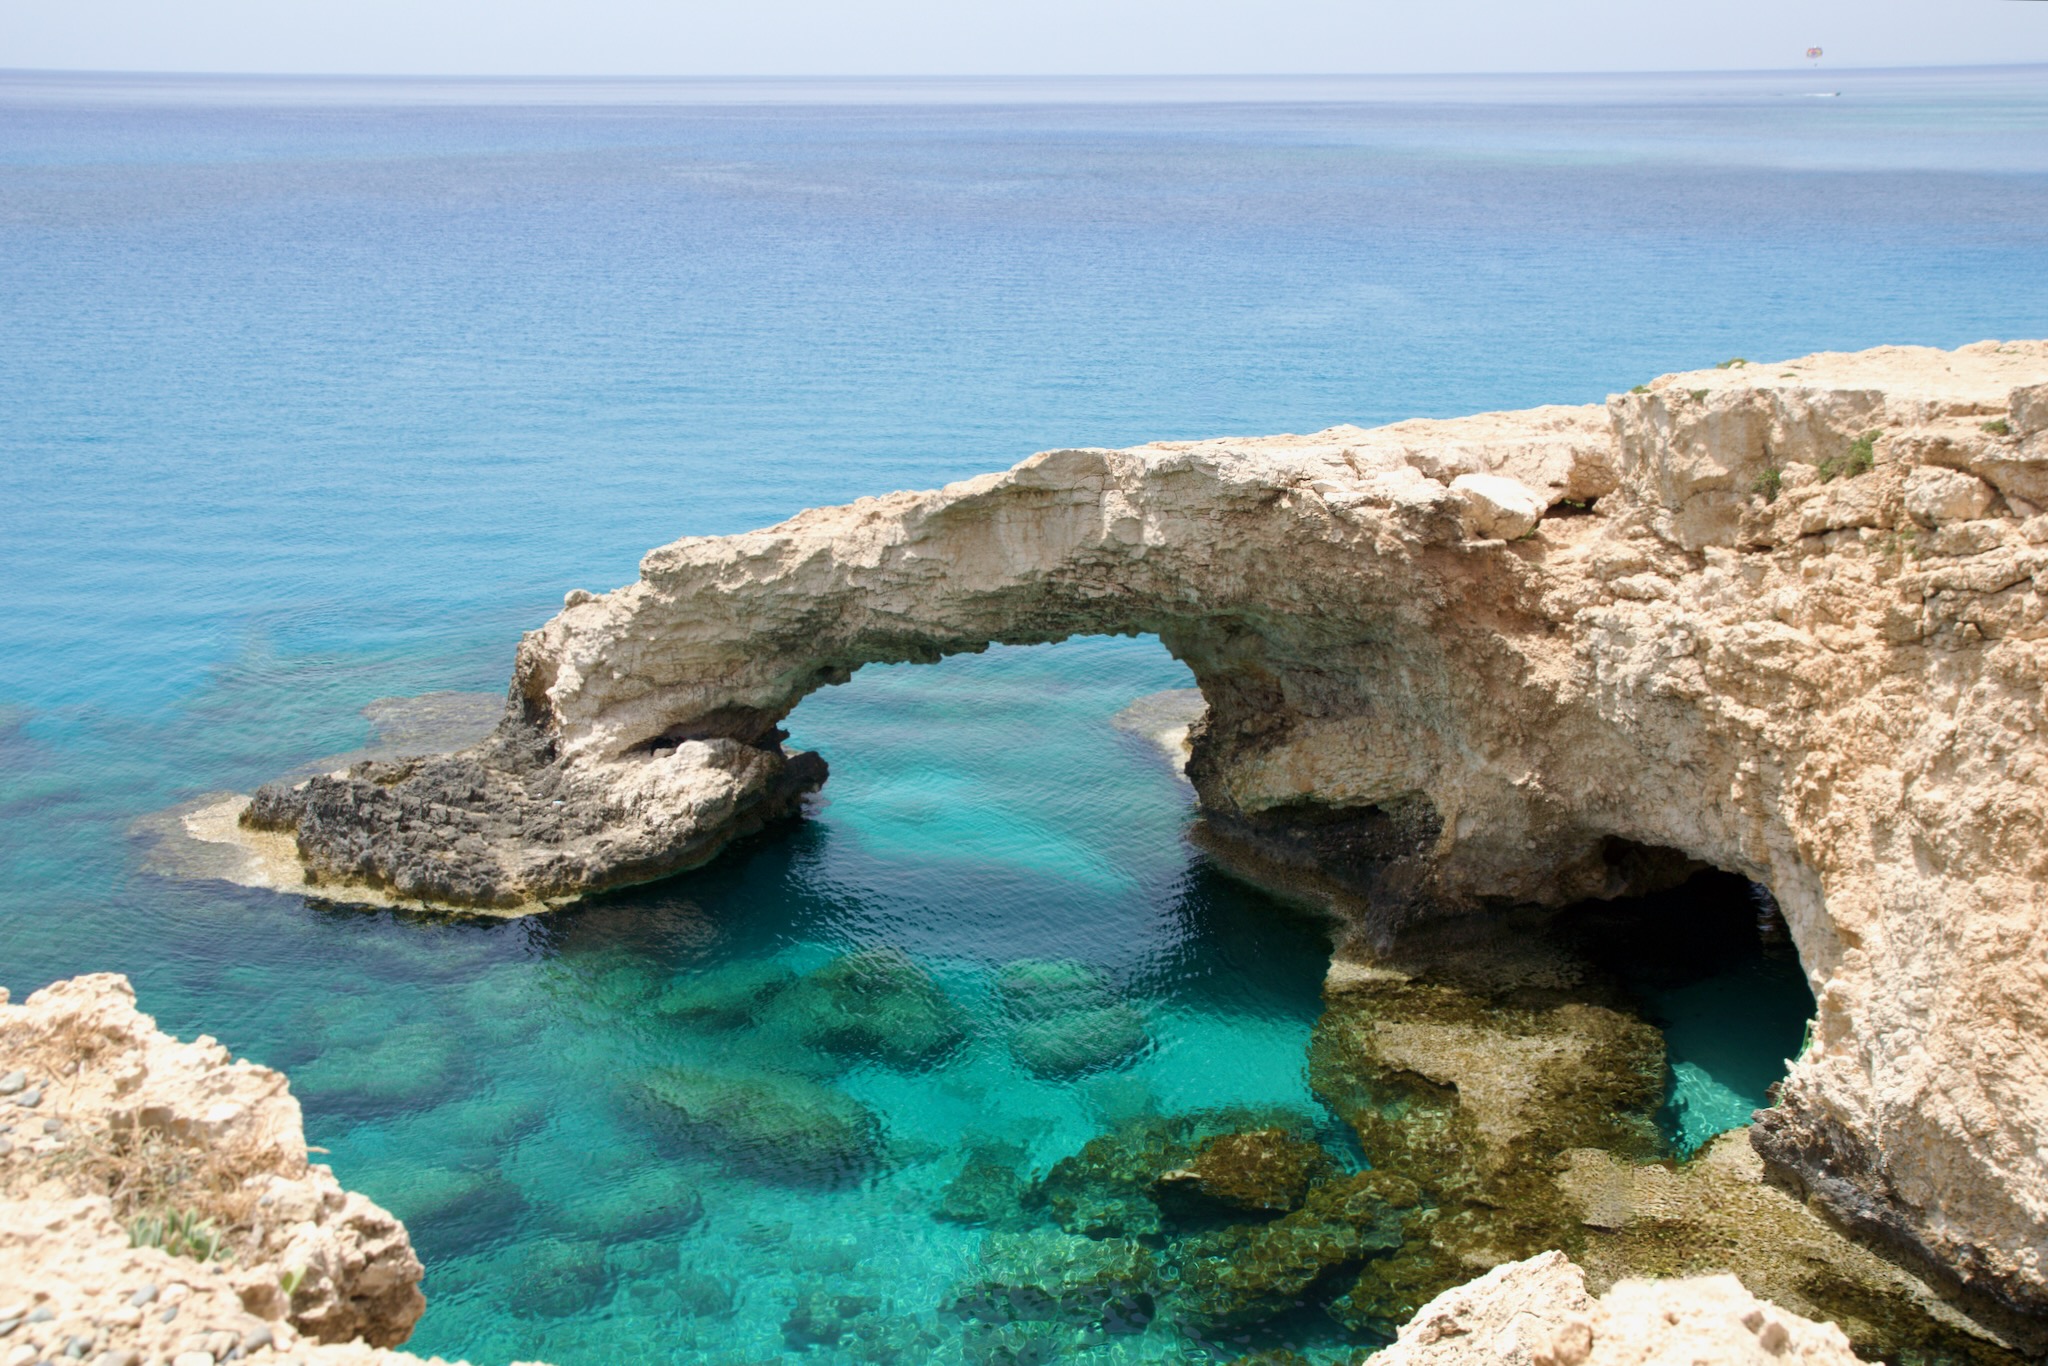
(1007, 37)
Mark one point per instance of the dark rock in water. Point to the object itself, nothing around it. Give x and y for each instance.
(820, 1318)
(505, 826)
(452, 1210)
(643, 1261)
(778, 1126)
(985, 1192)
(647, 1203)
(1257, 1170)
(1036, 989)
(724, 997)
(1021, 1344)
(875, 1004)
(1111, 1188)
(555, 1278)
(1042, 1276)
(703, 1295)
(1081, 1041)
(890, 1340)
(393, 1069)
(1243, 1275)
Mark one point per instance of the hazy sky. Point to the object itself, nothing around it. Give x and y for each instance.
(904, 37)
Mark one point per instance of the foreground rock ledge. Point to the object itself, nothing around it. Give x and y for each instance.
(111, 1125)
(1785, 619)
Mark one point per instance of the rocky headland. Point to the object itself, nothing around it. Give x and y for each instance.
(1785, 620)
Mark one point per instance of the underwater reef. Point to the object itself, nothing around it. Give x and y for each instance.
(1782, 619)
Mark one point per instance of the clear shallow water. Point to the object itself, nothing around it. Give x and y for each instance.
(309, 402)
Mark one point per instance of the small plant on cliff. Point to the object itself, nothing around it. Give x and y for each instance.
(1731, 363)
(179, 1232)
(1998, 427)
(1699, 395)
(1858, 459)
(1768, 483)
(290, 1281)
(1640, 389)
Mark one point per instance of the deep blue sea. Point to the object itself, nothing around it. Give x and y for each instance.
(315, 394)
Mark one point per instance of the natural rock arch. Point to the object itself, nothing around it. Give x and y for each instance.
(1787, 620)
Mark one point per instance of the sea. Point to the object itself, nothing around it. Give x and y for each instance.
(315, 393)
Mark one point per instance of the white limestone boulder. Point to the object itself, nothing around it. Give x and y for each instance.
(1496, 507)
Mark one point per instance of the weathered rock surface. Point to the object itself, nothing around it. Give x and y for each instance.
(116, 1125)
(1537, 1313)
(1751, 630)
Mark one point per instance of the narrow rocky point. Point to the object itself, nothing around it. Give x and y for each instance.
(1781, 619)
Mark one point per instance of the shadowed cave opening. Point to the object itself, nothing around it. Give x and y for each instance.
(1711, 964)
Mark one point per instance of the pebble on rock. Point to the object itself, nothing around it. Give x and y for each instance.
(30, 1098)
(13, 1082)
(143, 1294)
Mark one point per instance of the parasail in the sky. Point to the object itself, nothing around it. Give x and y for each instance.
(1813, 54)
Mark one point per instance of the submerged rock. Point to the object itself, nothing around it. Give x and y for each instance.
(876, 1004)
(724, 997)
(1044, 1276)
(1111, 1188)
(1036, 989)
(1074, 1043)
(779, 1126)
(553, 1278)
(986, 1192)
(1258, 1171)
(1253, 1272)
(821, 1317)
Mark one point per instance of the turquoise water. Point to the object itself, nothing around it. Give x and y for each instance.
(312, 395)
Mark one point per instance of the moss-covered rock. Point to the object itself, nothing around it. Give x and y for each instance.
(1259, 1171)
(1113, 1187)
(1477, 1097)
(775, 1125)
(1718, 1213)
(1253, 1272)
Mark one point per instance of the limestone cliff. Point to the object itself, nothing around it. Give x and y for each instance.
(1783, 619)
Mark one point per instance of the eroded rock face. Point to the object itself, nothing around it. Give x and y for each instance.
(116, 1125)
(1751, 630)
